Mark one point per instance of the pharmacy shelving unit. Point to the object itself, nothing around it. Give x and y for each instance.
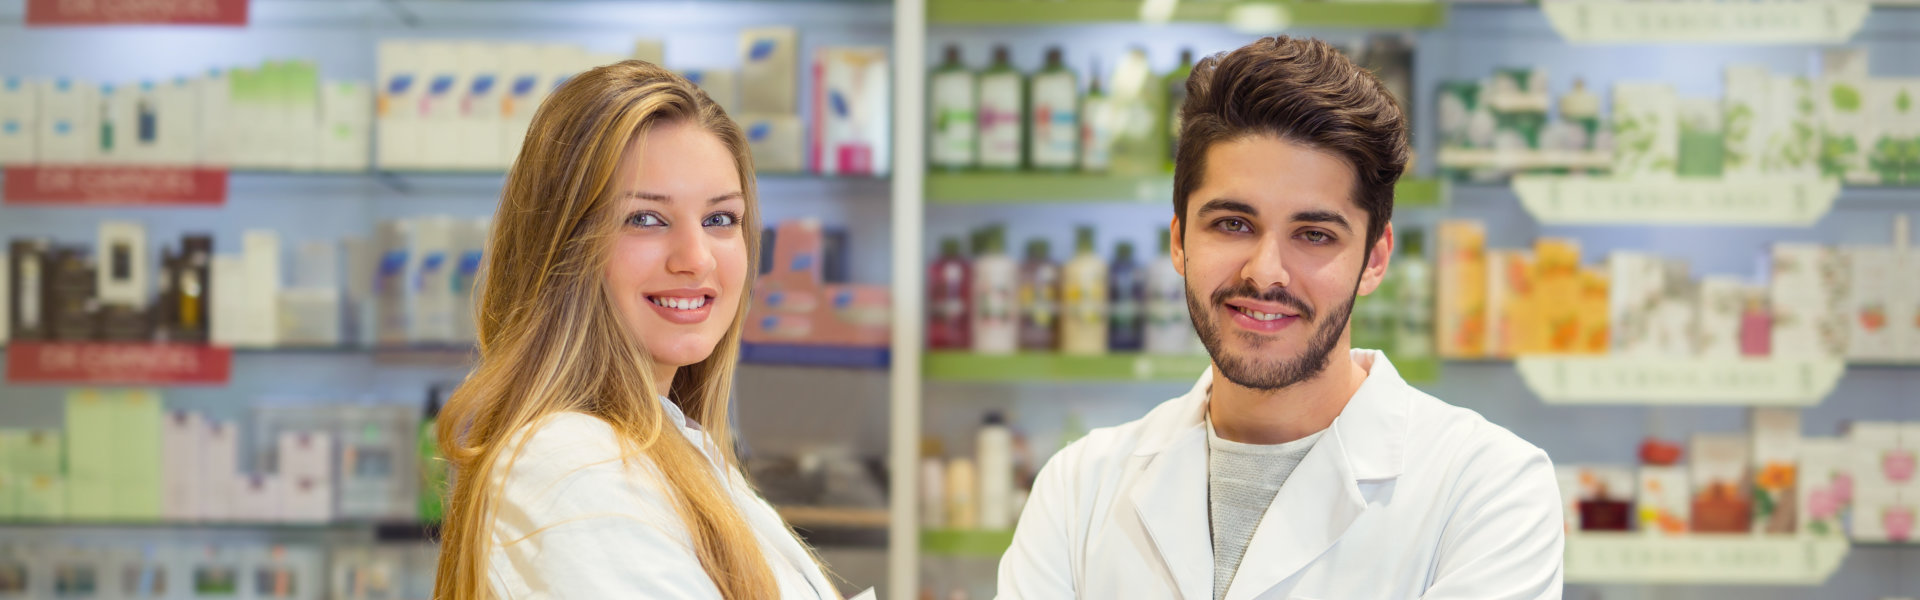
(1702, 559)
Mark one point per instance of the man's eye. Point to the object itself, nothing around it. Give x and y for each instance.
(1317, 237)
(1233, 225)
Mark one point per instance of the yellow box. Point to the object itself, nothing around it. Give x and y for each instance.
(1462, 302)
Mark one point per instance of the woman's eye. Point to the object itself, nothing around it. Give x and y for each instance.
(1233, 225)
(645, 220)
(722, 220)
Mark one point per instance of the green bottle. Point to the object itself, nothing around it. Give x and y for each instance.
(1176, 85)
(1002, 113)
(1053, 115)
(433, 466)
(1097, 121)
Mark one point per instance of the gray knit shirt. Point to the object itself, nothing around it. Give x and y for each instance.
(1242, 480)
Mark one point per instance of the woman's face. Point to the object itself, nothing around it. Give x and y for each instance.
(679, 264)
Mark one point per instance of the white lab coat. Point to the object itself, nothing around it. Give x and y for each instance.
(1404, 497)
(576, 522)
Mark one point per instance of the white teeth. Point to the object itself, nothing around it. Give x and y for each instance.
(680, 303)
(1259, 316)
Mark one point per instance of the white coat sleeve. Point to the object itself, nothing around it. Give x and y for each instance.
(1506, 540)
(576, 522)
(1039, 564)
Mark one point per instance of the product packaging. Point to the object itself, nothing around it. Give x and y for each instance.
(1646, 130)
(1776, 454)
(770, 59)
(69, 121)
(19, 121)
(851, 112)
(1721, 488)
(1808, 300)
(1826, 484)
(778, 141)
(1665, 500)
(1606, 498)
(1462, 305)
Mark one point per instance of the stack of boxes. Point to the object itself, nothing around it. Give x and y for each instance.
(1768, 481)
(126, 459)
(1860, 302)
(796, 301)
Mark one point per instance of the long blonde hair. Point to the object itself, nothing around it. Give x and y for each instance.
(551, 341)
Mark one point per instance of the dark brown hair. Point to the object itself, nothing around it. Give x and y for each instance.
(1302, 91)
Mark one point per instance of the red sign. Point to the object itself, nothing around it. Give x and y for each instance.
(136, 12)
(121, 186)
(116, 363)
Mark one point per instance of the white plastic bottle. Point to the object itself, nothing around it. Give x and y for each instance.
(955, 98)
(994, 447)
(1084, 295)
(1169, 329)
(996, 327)
(1413, 338)
(1003, 110)
(962, 495)
(933, 493)
(1053, 118)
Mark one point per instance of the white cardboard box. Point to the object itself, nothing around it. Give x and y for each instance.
(346, 126)
(778, 142)
(1808, 299)
(403, 79)
(1665, 501)
(1750, 118)
(526, 83)
(260, 251)
(479, 114)
(721, 85)
(219, 471)
(1826, 484)
(1776, 454)
(258, 498)
(178, 120)
(770, 63)
(215, 100)
(181, 475)
(434, 254)
(446, 84)
(69, 121)
(1874, 303)
(19, 121)
(851, 112)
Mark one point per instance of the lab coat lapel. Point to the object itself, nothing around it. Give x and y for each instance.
(1322, 498)
(768, 525)
(1170, 498)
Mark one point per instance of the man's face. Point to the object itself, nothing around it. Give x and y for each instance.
(1274, 252)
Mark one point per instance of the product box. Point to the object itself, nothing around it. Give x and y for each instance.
(721, 85)
(28, 275)
(1776, 453)
(1595, 329)
(1807, 296)
(778, 142)
(135, 109)
(650, 50)
(1646, 130)
(92, 463)
(1519, 101)
(114, 127)
(392, 287)
(180, 439)
(1826, 484)
(1553, 325)
(143, 572)
(1606, 498)
(69, 121)
(29, 452)
(1882, 516)
(1891, 124)
(1639, 288)
(78, 574)
(851, 112)
(470, 244)
(253, 128)
(1722, 304)
(123, 277)
(214, 101)
(1721, 488)
(137, 486)
(178, 120)
(346, 126)
(1665, 500)
(1462, 303)
(1883, 458)
(227, 318)
(305, 455)
(310, 317)
(432, 296)
(297, 110)
(19, 121)
(1793, 148)
(371, 441)
(524, 84)
(1747, 109)
(1510, 275)
(769, 67)
(478, 101)
(1702, 138)
(43, 497)
(447, 78)
(1846, 128)
(306, 499)
(260, 298)
(217, 571)
(400, 137)
(258, 498)
(283, 572)
(1876, 303)
(219, 471)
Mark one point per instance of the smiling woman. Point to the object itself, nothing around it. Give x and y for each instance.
(590, 444)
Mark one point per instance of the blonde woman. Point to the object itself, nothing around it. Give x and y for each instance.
(590, 444)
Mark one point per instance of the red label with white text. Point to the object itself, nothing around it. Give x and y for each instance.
(115, 186)
(108, 363)
(136, 12)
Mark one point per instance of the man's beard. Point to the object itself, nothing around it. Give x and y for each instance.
(1269, 375)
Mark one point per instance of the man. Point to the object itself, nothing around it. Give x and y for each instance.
(1295, 468)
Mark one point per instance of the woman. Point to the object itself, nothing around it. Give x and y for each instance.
(591, 441)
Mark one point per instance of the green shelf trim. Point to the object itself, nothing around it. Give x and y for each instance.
(986, 187)
(966, 366)
(1417, 370)
(1379, 15)
(963, 542)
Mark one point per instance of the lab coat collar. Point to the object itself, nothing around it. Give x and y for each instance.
(1374, 420)
(1322, 499)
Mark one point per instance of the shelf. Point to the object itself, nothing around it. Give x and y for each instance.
(482, 185)
(1767, 22)
(1269, 15)
(382, 531)
(1680, 381)
(970, 367)
(800, 355)
(1775, 201)
(983, 187)
(580, 15)
(807, 517)
(117, 363)
(965, 543)
(1701, 559)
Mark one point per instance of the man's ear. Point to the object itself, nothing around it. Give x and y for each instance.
(1377, 258)
(1177, 248)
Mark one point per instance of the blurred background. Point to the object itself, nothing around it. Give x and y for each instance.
(1668, 241)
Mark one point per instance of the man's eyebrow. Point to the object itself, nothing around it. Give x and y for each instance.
(652, 197)
(1227, 205)
(1323, 216)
